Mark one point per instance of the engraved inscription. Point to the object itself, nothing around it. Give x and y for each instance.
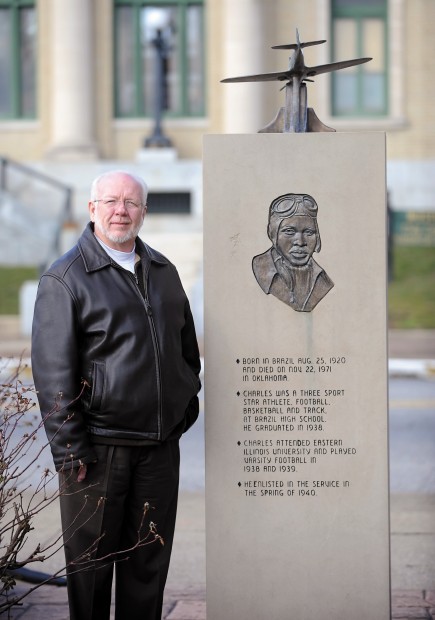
(285, 428)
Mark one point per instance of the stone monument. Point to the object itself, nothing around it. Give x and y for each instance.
(297, 510)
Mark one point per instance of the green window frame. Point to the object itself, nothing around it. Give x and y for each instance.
(18, 33)
(359, 28)
(134, 57)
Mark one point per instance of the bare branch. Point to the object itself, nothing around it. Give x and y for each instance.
(22, 444)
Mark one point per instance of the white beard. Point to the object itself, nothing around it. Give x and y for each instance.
(117, 237)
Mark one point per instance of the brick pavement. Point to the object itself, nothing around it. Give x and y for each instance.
(49, 603)
(413, 604)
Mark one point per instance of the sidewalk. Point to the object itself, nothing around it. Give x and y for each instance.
(410, 352)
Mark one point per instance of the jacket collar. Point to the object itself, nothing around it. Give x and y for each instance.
(95, 258)
(269, 270)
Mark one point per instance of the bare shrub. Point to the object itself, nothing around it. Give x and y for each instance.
(28, 488)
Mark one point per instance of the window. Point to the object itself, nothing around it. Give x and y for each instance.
(180, 25)
(359, 29)
(169, 202)
(17, 59)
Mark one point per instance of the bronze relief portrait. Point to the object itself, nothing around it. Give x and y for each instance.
(288, 270)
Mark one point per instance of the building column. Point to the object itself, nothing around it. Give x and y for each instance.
(72, 115)
(243, 55)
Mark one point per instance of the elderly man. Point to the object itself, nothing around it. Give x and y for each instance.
(287, 269)
(116, 366)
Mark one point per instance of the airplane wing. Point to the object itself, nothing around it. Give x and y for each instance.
(295, 46)
(281, 76)
(260, 77)
(334, 66)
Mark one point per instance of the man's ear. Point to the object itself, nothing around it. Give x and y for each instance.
(91, 207)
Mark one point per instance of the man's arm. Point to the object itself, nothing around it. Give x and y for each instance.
(190, 343)
(192, 357)
(55, 343)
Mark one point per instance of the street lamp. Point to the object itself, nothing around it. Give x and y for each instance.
(162, 48)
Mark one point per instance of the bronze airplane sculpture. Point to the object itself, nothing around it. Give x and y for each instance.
(295, 117)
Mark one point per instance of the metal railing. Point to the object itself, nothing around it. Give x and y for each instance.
(66, 197)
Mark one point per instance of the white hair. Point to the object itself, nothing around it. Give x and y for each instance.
(105, 175)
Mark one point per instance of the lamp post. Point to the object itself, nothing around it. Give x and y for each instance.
(157, 139)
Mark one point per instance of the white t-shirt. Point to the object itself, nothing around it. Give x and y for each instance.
(124, 259)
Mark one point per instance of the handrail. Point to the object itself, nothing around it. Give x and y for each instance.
(6, 161)
(66, 213)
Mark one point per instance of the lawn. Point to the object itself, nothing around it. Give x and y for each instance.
(411, 291)
(11, 279)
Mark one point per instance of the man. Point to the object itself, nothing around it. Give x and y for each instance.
(116, 367)
(287, 269)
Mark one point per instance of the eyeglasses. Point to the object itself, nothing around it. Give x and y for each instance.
(110, 203)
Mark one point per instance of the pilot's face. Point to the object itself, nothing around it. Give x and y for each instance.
(297, 239)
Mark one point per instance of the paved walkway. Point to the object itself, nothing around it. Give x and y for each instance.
(185, 592)
(49, 603)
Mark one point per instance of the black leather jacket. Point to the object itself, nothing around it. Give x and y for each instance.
(114, 355)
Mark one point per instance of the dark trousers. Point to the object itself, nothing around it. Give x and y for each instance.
(102, 516)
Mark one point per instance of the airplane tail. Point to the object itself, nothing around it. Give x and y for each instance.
(298, 44)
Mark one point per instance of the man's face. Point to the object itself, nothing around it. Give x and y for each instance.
(297, 239)
(117, 211)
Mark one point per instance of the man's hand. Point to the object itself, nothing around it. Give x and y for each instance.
(82, 472)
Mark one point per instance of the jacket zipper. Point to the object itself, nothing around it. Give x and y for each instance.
(151, 323)
(149, 312)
